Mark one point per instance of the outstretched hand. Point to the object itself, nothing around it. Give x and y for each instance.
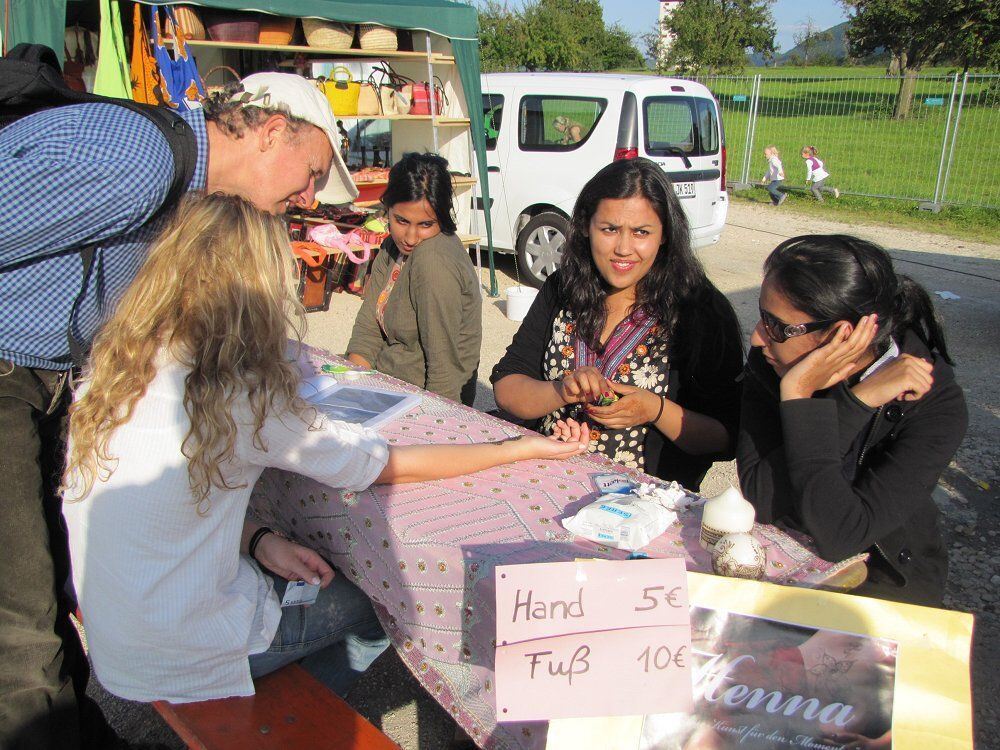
(831, 363)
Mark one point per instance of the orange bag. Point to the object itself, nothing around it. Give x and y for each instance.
(147, 84)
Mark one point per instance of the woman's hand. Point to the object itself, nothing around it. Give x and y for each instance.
(831, 363)
(571, 431)
(906, 378)
(583, 385)
(636, 406)
(292, 561)
(570, 440)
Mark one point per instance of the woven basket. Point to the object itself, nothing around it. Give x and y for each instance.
(328, 34)
(217, 87)
(276, 30)
(373, 36)
(231, 26)
(188, 20)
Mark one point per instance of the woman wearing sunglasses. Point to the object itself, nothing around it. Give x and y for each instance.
(851, 412)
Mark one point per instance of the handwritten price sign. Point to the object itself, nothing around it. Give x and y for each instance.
(592, 638)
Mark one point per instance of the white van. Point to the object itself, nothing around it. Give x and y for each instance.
(548, 133)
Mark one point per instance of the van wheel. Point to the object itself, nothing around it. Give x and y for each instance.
(540, 247)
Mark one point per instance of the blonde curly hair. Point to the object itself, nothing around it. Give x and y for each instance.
(216, 293)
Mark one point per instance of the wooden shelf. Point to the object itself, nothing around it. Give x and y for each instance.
(373, 54)
(442, 122)
(456, 181)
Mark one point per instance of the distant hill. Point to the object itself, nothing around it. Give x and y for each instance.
(835, 47)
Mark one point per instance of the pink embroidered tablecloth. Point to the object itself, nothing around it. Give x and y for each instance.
(425, 553)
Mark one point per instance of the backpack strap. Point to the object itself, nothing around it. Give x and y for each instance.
(32, 82)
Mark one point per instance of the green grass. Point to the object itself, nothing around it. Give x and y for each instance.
(847, 114)
(964, 222)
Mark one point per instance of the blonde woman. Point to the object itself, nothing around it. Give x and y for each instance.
(572, 132)
(189, 396)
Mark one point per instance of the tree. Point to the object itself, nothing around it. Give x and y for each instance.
(501, 37)
(713, 36)
(808, 37)
(552, 35)
(619, 52)
(917, 33)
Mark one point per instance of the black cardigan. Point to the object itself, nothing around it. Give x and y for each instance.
(856, 479)
(708, 387)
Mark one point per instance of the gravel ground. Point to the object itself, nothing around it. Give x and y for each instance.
(967, 495)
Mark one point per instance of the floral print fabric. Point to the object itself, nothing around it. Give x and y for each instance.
(645, 366)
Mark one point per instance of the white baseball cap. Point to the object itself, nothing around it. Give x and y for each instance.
(301, 99)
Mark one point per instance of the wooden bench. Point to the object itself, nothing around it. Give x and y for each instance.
(291, 710)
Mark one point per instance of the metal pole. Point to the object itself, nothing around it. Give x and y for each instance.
(430, 88)
(753, 131)
(944, 141)
(954, 137)
(746, 140)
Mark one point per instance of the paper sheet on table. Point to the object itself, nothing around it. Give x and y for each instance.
(355, 404)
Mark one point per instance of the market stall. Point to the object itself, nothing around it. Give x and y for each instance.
(442, 47)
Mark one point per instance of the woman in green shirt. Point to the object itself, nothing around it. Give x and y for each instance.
(421, 320)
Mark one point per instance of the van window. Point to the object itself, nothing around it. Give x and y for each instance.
(680, 122)
(557, 123)
(492, 117)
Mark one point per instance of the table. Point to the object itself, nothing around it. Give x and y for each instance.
(425, 553)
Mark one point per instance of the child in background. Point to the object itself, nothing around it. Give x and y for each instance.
(817, 174)
(775, 175)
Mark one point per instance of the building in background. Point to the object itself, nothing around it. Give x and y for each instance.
(667, 8)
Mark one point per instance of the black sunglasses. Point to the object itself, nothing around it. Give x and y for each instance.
(779, 331)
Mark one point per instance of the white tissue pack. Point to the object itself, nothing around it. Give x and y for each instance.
(631, 516)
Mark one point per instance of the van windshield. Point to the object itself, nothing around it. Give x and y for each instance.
(680, 125)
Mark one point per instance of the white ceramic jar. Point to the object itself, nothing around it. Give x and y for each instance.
(739, 556)
(728, 513)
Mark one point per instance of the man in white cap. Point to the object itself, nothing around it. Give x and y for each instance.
(82, 193)
(277, 143)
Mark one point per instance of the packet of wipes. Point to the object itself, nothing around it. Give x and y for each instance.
(630, 521)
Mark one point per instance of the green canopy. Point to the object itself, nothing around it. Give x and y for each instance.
(43, 21)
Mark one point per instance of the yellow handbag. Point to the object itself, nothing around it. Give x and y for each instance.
(342, 91)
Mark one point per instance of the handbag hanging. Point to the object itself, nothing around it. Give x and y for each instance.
(179, 72)
(368, 99)
(315, 281)
(421, 97)
(342, 91)
(81, 61)
(147, 83)
(391, 86)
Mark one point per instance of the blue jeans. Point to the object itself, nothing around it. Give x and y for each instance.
(336, 638)
(772, 188)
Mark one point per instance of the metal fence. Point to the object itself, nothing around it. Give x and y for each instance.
(945, 151)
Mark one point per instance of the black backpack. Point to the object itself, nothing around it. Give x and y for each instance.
(30, 81)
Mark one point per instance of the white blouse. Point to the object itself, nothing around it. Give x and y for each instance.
(171, 609)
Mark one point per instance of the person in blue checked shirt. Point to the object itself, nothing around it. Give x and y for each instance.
(96, 174)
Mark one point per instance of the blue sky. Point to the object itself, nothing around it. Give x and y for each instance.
(639, 16)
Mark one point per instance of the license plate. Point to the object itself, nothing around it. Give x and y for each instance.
(684, 189)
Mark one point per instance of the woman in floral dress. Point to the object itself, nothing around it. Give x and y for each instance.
(630, 335)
